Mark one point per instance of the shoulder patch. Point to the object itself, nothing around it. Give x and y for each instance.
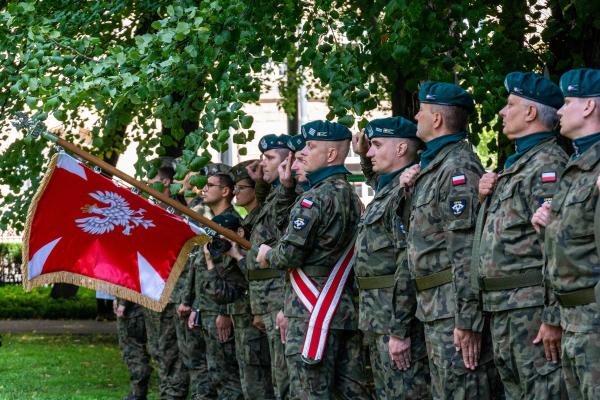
(299, 223)
(307, 203)
(458, 206)
(549, 176)
(459, 180)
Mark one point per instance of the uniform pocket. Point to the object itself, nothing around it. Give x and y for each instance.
(257, 351)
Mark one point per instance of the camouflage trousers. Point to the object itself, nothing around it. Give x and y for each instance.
(192, 350)
(221, 361)
(581, 364)
(279, 369)
(449, 377)
(342, 372)
(390, 382)
(131, 332)
(162, 337)
(252, 350)
(522, 365)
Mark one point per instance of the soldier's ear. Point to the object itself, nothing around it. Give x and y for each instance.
(531, 113)
(590, 106)
(401, 149)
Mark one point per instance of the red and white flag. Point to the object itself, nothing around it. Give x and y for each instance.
(84, 229)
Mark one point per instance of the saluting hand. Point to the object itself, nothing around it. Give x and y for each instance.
(399, 350)
(409, 176)
(285, 171)
(487, 183)
(540, 217)
(360, 144)
(255, 171)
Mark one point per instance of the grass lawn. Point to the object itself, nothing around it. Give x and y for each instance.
(63, 367)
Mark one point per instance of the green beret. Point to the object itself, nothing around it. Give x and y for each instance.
(446, 94)
(238, 172)
(535, 88)
(325, 131)
(583, 82)
(215, 168)
(228, 220)
(270, 142)
(296, 143)
(397, 127)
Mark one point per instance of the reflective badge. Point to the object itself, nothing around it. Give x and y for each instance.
(545, 200)
(458, 206)
(299, 223)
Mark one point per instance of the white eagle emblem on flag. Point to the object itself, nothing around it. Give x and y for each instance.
(117, 214)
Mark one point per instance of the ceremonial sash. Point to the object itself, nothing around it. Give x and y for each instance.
(321, 304)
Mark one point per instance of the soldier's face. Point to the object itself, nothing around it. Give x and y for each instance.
(514, 116)
(244, 192)
(298, 167)
(571, 116)
(382, 153)
(424, 122)
(212, 192)
(269, 161)
(315, 154)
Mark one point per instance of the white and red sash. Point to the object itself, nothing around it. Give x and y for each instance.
(321, 304)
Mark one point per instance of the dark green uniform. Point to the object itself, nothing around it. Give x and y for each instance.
(315, 239)
(442, 220)
(574, 270)
(385, 286)
(510, 259)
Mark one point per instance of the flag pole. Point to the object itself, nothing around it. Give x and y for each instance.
(229, 234)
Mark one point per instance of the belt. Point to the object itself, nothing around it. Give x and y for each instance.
(434, 280)
(316, 271)
(528, 278)
(579, 297)
(375, 282)
(263, 274)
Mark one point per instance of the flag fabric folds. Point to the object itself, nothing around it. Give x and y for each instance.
(84, 229)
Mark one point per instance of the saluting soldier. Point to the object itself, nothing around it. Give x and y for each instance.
(317, 248)
(508, 253)
(571, 241)
(266, 286)
(440, 237)
(387, 147)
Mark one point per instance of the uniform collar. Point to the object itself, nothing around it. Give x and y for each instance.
(323, 173)
(434, 146)
(276, 182)
(526, 143)
(385, 179)
(582, 144)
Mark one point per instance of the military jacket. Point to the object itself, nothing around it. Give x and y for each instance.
(227, 285)
(202, 300)
(381, 250)
(442, 220)
(320, 230)
(573, 262)
(509, 245)
(266, 295)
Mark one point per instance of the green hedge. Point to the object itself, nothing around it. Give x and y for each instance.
(10, 252)
(15, 303)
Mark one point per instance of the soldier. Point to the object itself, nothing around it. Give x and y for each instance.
(161, 329)
(318, 247)
(442, 219)
(571, 243)
(508, 257)
(397, 346)
(131, 332)
(266, 286)
(216, 324)
(251, 343)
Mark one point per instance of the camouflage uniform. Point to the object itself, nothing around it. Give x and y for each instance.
(220, 357)
(381, 267)
(510, 260)
(192, 347)
(572, 263)
(315, 239)
(266, 286)
(442, 218)
(131, 332)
